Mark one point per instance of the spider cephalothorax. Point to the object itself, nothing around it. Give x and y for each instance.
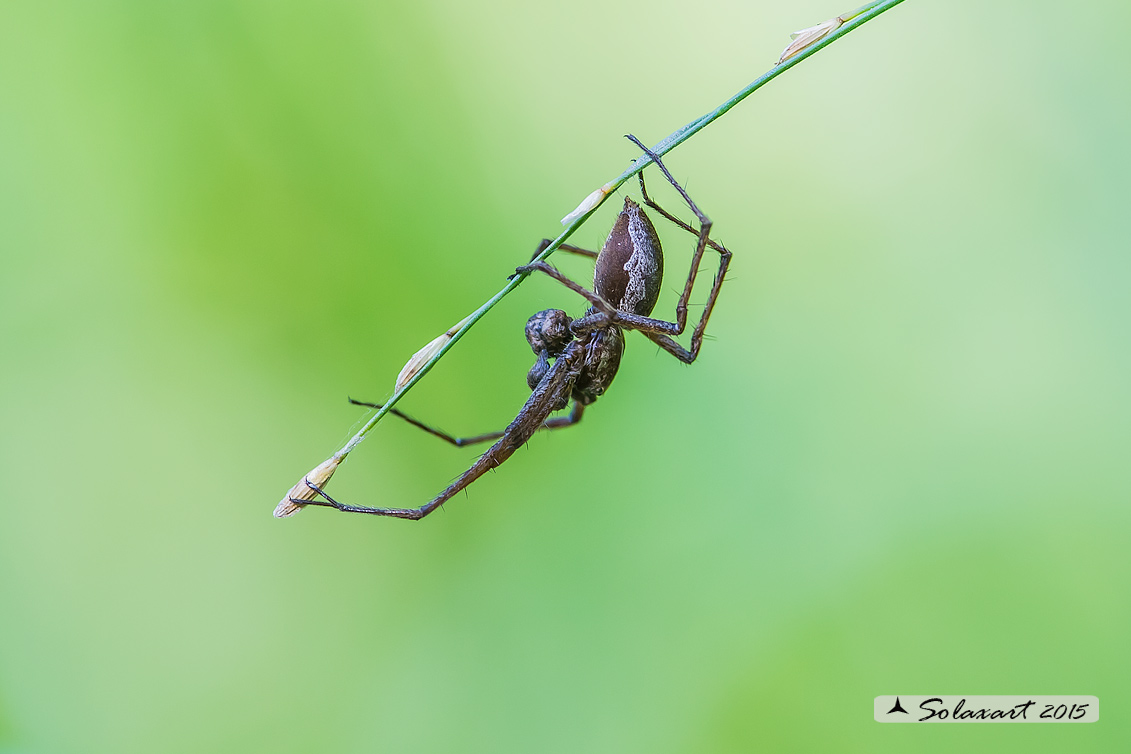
(577, 359)
(627, 277)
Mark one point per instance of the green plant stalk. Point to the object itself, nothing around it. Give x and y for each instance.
(852, 21)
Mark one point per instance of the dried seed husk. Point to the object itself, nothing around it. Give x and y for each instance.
(588, 203)
(808, 37)
(424, 355)
(318, 476)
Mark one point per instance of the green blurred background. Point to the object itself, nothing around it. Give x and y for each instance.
(899, 465)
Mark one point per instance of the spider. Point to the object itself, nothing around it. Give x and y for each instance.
(585, 352)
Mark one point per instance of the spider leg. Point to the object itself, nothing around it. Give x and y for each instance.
(563, 247)
(599, 303)
(659, 330)
(651, 204)
(462, 442)
(554, 390)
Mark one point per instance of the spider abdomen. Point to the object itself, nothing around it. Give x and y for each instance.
(630, 267)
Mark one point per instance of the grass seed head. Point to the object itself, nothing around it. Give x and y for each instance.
(318, 476)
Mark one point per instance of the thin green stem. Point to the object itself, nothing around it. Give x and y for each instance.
(852, 21)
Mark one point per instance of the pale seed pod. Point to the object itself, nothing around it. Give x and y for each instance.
(318, 476)
(421, 357)
(809, 37)
(588, 203)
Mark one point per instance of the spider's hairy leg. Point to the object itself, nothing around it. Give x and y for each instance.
(459, 442)
(659, 331)
(463, 442)
(596, 301)
(563, 247)
(551, 393)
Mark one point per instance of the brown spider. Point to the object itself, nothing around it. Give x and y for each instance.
(585, 352)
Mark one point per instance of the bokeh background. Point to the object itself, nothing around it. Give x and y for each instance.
(899, 465)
